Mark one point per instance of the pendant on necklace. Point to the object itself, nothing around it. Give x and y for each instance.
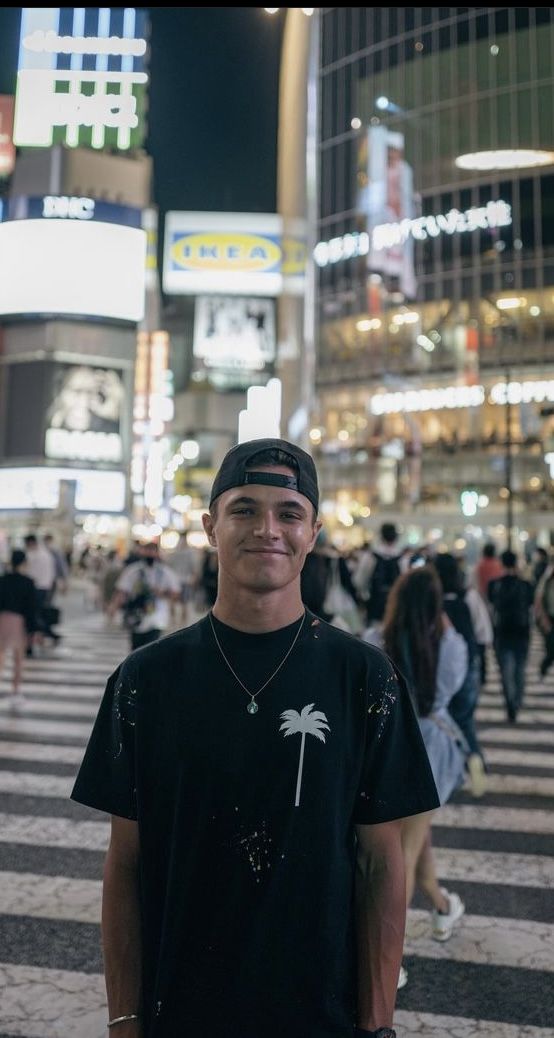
(252, 707)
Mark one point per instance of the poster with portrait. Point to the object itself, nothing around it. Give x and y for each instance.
(83, 421)
(385, 198)
(234, 341)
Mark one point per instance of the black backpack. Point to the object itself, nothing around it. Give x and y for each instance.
(139, 604)
(511, 601)
(385, 573)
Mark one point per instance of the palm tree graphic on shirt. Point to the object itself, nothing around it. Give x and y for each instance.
(305, 723)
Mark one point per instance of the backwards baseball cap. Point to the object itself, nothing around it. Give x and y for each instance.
(236, 470)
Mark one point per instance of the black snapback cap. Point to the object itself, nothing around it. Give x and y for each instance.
(236, 470)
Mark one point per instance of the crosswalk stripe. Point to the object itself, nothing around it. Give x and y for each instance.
(525, 758)
(52, 729)
(92, 693)
(48, 706)
(40, 752)
(481, 939)
(468, 816)
(515, 734)
(54, 832)
(528, 870)
(50, 897)
(524, 717)
(47, 1003)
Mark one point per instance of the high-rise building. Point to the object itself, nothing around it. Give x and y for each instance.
(435, 258)
(74, 288)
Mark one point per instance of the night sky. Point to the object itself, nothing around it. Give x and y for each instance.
(214, 81)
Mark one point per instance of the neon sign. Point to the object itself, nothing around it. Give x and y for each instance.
(387, 235)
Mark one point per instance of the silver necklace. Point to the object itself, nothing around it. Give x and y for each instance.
(253, 706)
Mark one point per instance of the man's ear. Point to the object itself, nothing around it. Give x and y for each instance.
(317, 527)
(209, 529)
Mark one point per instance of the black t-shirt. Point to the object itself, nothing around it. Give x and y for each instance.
(247, 821)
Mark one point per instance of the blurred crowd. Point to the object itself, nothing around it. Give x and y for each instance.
(493, 605)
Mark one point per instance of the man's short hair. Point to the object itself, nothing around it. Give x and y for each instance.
(508, 559)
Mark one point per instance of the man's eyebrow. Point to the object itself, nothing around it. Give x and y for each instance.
(244, 500)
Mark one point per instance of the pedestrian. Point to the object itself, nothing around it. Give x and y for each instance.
(462, 706)
(61, 574)
(41, 568)
(17, 621)
(209, 577)
(256, 765)
(511, 598)
(420, 639)
(488, 568)
(185, 562)
(326, 586)
(145, 590)
(544, 615)
(378, 570)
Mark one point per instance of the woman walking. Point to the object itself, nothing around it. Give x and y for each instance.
(420, 639)
(17, 621)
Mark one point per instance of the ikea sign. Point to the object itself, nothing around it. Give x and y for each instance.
(230, 253)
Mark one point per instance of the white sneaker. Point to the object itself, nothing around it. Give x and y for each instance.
(477, 777)
(402, 978)
(444, 924)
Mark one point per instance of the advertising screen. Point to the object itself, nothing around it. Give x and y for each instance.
(73, 412)
(234, 341)
(81, 79)
(83, 421)
(72, 267)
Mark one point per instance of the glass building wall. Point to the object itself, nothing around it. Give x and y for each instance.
(436, 265)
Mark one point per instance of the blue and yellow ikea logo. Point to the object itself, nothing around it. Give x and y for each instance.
(226, 251)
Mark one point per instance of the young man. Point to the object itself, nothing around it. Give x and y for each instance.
(256, 766)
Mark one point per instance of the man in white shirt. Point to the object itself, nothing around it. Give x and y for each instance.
(146, 590)
(41, 568)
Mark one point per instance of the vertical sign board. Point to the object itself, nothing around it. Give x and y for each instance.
(81, 78)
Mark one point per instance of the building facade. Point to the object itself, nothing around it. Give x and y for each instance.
(435, 259)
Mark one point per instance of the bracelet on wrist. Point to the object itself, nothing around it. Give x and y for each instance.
(122, 1019)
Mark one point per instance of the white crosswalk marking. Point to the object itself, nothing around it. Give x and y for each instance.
(51, 854)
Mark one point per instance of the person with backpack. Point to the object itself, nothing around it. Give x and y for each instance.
(511, 598)
(378, 571)
(145, 591)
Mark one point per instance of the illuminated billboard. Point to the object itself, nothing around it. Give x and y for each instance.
(386, 197)
(30, 488)
(231, 253)
(72, 267)
(83, 422)
(234, 341)
(73, 412)
(81, 78)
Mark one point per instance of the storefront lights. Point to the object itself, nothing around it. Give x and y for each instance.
(510, 158)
